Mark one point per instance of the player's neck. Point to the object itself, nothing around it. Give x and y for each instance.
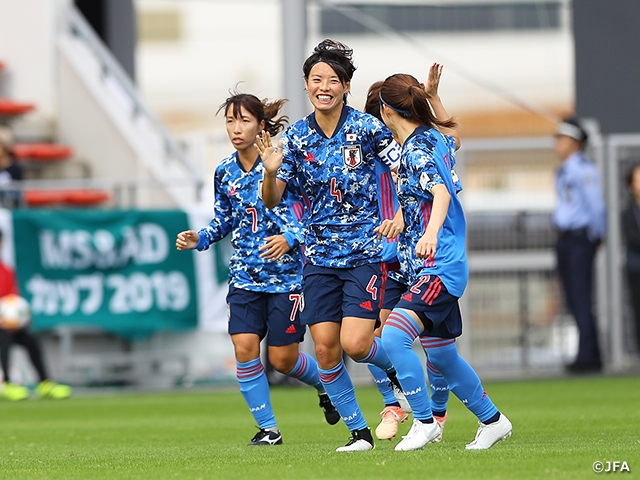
(247, 158)
(404, 129)
(328, 121)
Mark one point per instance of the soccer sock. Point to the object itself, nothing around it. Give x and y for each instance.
(384, 385)
(398, 334)
(378, 356)
(306, 370)
(255, 390)
(340, 389)
(462, 379)
(439, 388)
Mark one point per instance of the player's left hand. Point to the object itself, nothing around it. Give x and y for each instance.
(433, 80)
(390, 228)
(274, 248)
(426, 246)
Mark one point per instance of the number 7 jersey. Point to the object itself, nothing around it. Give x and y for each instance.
(239, 210)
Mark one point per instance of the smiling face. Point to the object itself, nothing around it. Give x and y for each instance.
(326, 91)
(242, 130)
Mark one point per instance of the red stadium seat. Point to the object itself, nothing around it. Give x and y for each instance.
(85, 197)
(43, 198)
(58, 198)
(41, 151)
(12, 108)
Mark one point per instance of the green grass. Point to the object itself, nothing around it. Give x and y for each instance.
(561, 427)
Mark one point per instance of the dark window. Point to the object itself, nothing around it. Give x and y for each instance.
(440, 18)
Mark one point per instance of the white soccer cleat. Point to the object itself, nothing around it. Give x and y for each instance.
(488, 435)
(419, 435)
(391, 418)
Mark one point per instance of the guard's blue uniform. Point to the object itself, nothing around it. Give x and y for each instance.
(579, 217)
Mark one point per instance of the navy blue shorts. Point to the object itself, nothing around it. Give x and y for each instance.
(436, 307)
(392, 293)
(330, 294)
(274, 315)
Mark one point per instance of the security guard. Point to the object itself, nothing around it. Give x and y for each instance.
(579, 218)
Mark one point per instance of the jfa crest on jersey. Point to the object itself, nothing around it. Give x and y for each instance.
(338, 177)
(352, 155)
(239, 210)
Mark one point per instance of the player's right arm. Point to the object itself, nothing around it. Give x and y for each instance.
(272, 187)
(219, 227)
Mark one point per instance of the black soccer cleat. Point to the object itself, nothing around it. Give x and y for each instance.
(360, 441)
(331, 415)
(266, 437)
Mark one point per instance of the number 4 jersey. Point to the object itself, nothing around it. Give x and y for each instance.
(340, 176)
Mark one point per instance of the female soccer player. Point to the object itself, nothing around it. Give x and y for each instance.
(265, 270)
(394, 412)
(433, 256)
(334, 152)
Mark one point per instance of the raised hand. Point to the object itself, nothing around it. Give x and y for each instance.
(433, 80)
(271, 156)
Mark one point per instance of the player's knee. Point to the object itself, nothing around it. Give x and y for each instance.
(328, 356)
(283, 363)
(356, 348)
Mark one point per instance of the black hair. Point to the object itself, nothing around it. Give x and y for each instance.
(335, 54)
(260, 109)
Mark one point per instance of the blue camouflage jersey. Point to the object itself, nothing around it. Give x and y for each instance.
(427, 160)
(339, 177)
(239, 210)
(388, 204)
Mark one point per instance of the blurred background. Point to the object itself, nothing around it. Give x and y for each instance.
(110, 109)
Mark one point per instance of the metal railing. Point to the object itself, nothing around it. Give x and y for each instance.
(73, 23)
(122, 193)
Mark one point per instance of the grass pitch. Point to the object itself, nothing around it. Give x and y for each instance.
(561, 427)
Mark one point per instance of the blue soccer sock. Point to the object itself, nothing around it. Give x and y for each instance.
(340, 389)
(384, 385)
(255, 390)
(306, 370)
(398, 334)
(377, 356)
(437, 383)
(462, 379)
(439, 389)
